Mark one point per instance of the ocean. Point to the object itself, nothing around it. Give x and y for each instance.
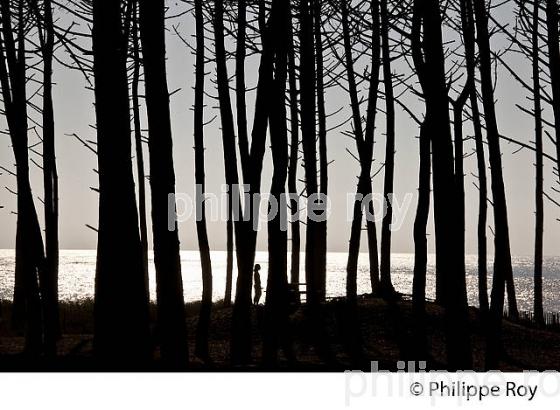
(77, 273)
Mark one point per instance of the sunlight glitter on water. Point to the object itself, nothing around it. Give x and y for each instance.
(77, 274)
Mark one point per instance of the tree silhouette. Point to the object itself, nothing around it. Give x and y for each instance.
(171, 305)
(539, 201)
(468, 30)
(364, 144)
(251, 165)
(30, 258)
(429, 64)
(49, 282)
(204, 247)
(294, 157)
(502, 261)
(389, 170)
(276, 307)
(121, 303)
(138, 138)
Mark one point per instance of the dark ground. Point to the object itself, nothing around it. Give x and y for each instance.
(385, 333)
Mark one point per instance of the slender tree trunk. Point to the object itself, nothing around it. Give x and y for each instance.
(539, 205)
(467, 22)
(502, 260)
(139, 146)
(276, 306)
(240, 86)
(294, 157)
(309, 137)
(356, 228)
(374, 274)
(121, 336)
(482, 209)
(240, 89)
(240, 334)
(252, 171)
(245, 234)
(172, 328)
(241, 110)
(432, 77)
(389, 154)
(202, 329)
(423, 207)
(458, 108)
(30, 259)
(421, 245)
(49, 283)
(321, 239)
(251, 165)
(315, 232)
(364, 145)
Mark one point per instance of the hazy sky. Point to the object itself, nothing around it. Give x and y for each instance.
(78, 204)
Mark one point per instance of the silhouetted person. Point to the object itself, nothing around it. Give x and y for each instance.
(257, 285)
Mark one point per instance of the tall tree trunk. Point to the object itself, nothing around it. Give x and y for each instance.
(386, 284)
(364, 145)
(240, 333)
(309, 137)
(502, 260)
(30, 259)
(294, 157)
(276, 306)
(121, 306)
(202, 329)
(139, 144)
(460, 187)
(371, 116)
(315, 232)
(356, 228)
(482, 208)
(172, 328)
(467, 19)
(539, 214)
(423, 207)
(240, 86)
(245, 234)
(458, 108)
(432, 77)
(321, 238)
(49, 283)
(241, 111)
(252, 171)
(469, 92)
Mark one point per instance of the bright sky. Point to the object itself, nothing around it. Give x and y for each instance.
(78, 204)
